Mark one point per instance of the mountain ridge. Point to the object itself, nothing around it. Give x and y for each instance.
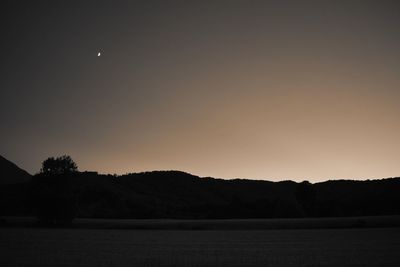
(10, 173)
(181, 195)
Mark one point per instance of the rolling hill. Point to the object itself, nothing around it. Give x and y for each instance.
(175, 194)
(11, 173)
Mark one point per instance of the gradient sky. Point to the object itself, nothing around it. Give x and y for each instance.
(253, 89)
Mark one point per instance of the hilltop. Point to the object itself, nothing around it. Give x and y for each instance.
(175, 194)
(11, 173)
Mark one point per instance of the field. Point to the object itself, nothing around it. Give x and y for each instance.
(113, 247)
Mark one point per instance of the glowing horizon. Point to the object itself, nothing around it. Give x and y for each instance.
(272, 91)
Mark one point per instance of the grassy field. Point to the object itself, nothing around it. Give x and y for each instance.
(112, 247)
(233, 224)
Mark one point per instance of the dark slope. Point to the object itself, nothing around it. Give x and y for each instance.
(354, 198)
(11, 173)
(187, 196)
(175, 194)
(13, 188)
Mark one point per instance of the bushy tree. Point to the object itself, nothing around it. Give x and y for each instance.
(53, 199)
(58, 166)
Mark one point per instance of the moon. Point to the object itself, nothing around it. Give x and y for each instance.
(99, 54)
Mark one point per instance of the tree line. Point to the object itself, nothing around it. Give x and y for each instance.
(59, 193)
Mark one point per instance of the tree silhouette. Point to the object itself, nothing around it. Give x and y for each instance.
(58, 166)
(52, 198)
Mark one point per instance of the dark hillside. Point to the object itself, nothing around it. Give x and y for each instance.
(354, 198)
(13, 188)
(175, 194)
(11, 173)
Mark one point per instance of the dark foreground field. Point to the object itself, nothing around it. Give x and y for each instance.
(112, 247)
(226, 224)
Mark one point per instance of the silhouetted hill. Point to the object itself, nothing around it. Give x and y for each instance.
(354, 198)
(13, 188)
(11, 173)
(175, 194)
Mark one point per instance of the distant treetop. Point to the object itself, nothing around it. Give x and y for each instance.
(58, 166)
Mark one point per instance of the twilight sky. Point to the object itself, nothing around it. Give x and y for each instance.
(253, 89)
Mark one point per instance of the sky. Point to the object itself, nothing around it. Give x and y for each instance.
(274, 90)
